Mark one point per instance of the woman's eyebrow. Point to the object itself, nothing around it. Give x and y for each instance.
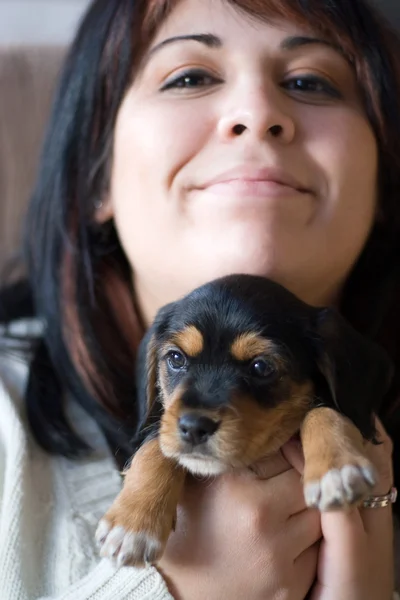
(213, 41)
(208, 39)
(298, 41)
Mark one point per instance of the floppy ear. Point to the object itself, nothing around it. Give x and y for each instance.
(147, 368)
(146, 377)
(356, 372)
(146, 372)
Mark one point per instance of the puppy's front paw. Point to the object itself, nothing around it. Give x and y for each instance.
(125, 546)
(133, 534)
(340, 488)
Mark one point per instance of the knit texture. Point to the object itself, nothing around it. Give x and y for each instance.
(49, 510)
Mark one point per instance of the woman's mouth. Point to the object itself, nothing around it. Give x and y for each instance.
(252, 188)
(254, 181)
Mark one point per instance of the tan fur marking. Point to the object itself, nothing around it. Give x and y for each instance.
(170, 440)
(251, 345)
(163, 378)
(330, 441)
(149, 498)
(169, 435)
(249, 432)
(151, 366)
(175, 396)
(190, 341)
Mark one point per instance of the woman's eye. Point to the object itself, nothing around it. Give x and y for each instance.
(190, 80)
(261, 368)
(312, 85)
(176, 360)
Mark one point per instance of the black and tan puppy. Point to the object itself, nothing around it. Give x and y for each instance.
(229, 374)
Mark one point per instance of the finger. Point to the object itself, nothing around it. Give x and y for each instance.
(349, 554)
(279, 497)
(379, 521)
(284, 494)
(303, 530)
(293, 453)
(305, 570)
(344, 525)
(271, 466)
(342, 547)
(381, 457)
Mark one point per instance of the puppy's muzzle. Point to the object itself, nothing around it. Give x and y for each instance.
(196, 429)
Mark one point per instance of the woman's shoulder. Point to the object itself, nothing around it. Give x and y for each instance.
(16, 343)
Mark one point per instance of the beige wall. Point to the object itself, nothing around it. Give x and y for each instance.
(27, 78)
(39, 21)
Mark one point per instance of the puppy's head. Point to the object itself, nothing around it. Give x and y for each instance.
(236, 365)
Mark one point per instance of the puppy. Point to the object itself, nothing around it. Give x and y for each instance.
(226, 376)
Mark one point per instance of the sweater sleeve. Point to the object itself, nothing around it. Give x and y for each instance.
(107, 583)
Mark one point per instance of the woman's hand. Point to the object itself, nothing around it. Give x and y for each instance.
(240, 536)
(356, 556)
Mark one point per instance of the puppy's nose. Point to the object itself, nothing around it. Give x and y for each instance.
(196, 429)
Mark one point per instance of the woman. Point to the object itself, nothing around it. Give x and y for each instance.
(190, 140)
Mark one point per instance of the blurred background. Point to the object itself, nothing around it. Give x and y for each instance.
(39, 21)
(54, 21)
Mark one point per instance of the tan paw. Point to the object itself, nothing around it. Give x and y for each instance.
(124, 547)
(132, 533)
(340, 488)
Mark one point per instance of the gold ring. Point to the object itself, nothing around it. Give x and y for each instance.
(381, 501)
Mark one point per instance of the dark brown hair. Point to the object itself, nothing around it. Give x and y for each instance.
(79, 277)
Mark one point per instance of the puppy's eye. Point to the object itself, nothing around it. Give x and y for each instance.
(176, 360)
(261, 368)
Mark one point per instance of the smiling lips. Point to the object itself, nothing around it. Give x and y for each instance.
(254, 181)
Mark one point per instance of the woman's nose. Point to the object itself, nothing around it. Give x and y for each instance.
(257, 112)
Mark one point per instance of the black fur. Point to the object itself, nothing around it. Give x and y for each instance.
(350, 373)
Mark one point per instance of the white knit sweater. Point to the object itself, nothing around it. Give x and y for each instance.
(50, 507)
(49, 510)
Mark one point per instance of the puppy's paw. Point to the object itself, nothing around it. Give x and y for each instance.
(133, 535)
(340, 488)
(126, 547)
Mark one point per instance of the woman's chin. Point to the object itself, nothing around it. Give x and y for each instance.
(208, 271)
(250, 258)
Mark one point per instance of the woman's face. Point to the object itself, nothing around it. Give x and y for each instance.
(241, 147)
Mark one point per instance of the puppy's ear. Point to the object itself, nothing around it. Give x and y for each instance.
(147, 367)
(356, 372)
(146, 376)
